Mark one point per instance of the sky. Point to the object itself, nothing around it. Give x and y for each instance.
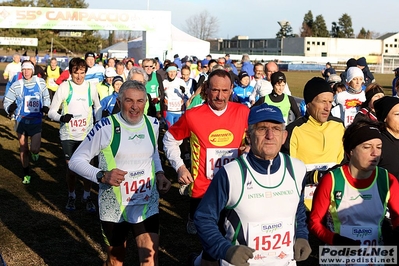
(259, 18)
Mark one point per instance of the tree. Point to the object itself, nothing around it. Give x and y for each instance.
(320, 27)
(285, 31)
(335, 30)
(62, 3)
(307, 25)
(202, 26)
(345, 23)
(363, 34)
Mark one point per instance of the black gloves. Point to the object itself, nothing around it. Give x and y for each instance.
(44, 109)
(339, 240)
(183, 90)
(104, 113)
(66, 118)
(12, 108)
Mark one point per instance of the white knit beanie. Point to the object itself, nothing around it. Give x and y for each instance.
(353, 72)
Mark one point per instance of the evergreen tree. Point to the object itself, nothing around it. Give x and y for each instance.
(335, 30)
(320, 27)
(307, 25)
(345, 24)
(285, 31)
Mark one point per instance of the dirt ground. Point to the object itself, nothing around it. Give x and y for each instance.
(36, 230)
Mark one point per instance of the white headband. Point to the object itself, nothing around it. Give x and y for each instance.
(27, 65)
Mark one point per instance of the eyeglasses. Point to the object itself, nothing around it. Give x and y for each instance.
(261, 131)
(148, 66)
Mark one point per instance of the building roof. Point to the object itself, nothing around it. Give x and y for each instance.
(386, 35)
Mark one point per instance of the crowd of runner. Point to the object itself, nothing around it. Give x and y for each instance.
(252, 160)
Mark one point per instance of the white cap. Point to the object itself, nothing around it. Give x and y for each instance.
(353, 72)
(110, 72)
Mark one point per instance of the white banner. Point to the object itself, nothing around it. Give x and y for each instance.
(82, 19)
(18, 41)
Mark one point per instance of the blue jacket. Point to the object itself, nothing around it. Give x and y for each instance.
(108, 103)
(243, 94)
(233, 67)
(177, 61)
(248, 67)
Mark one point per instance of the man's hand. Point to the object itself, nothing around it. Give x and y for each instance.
(302, 249)
(184, 176)
(66, 118)
(12, 107)
(239, 255)
(114, 177)
(45, 109)
(163, 184)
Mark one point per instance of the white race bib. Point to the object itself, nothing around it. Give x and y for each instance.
(349, 116)
(174, 104)
(78, 124)
(136, 189)
(32, 104)
(273, 242)
(216, 158)
(368, 235)
(51, 82)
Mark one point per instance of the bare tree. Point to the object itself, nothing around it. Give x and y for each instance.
(202, 25)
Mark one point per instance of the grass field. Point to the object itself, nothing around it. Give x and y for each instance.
(297, 81)
(36, 230)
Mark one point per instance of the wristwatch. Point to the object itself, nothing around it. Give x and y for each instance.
(100, 176)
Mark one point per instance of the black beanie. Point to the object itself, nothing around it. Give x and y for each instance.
(371, 92)
(117, 78)
(314, 87)
(351, 62)
(384, 105)
(276, 77)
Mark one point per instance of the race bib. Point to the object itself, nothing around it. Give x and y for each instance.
(273, 242)
(78, 124)
(136, 189)
(308, 196)
(175, 104)
(368, 235)
(216, 158)
(349, 116)
(51, 82)
(310, 189)
(32, 104)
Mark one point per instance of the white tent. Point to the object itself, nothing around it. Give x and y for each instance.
(184, 44)
(181, 43)
(118, 50)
